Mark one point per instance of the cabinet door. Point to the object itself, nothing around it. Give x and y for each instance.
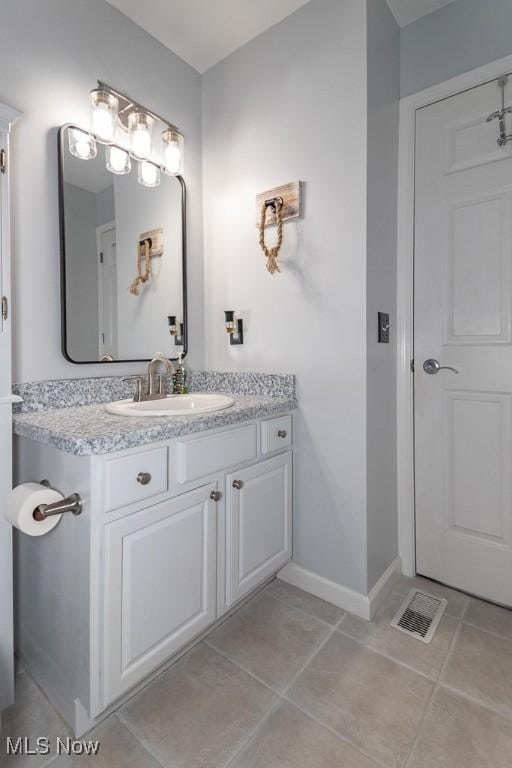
(259, 517)
(160, 586)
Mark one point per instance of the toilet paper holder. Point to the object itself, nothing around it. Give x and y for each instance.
(72, 503)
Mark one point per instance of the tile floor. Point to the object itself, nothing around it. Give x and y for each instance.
(292, 682)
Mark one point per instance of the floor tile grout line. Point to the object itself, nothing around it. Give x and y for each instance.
(451, 651)
(137, 738)
(309, 660)
(505, 713)
(430, 678)
(286, 698)
(242, 667)
(421, 727)
(254, 732)
(486, 631)
(306, 613)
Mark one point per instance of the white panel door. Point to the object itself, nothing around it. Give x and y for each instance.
(463, 288)
(259, 520)
(159, 586)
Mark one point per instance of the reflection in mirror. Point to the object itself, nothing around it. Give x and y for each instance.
(123, 261)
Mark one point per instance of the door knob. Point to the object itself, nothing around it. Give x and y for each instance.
(238, 484)
(432, 366)
(144, 478)
(215, 495)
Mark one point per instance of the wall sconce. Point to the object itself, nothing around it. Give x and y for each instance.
(126, 127)
(173, 330)
(235, 328)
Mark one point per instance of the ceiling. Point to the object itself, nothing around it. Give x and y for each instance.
(407, 11)
(202, 32)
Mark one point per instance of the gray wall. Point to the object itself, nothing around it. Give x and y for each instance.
(459, 37)
(383, 95)
(51, 54)
(291, 105)
(82, 273)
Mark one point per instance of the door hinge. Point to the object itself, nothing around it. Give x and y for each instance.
(3, 161)
(5, 308)
(101, 257)
(412, 366)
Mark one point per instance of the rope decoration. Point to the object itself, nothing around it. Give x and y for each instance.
(143, 275)
(272, 253)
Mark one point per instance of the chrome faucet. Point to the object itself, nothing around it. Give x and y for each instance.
(156, 388)
(155, 382)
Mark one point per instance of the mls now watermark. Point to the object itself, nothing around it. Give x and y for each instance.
(42, 745)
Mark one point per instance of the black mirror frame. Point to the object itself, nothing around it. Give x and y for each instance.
(63, 307)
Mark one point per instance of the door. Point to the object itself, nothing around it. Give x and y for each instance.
(259, 522)
(463, 419)
(159, 588)
(107, 290)
(7, 119)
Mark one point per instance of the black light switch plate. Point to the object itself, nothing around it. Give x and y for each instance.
(383, 328)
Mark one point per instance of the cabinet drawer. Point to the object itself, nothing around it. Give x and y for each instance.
(134, 478)
(202, 456)
(276, 434)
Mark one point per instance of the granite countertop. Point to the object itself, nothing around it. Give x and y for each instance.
(89, 429)
(85, 430)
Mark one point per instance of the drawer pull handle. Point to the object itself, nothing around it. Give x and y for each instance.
(238, 484)
(282, 433)
(144, 478)
(215, 495)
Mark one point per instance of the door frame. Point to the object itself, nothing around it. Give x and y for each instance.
(100, 231)
(405, 291)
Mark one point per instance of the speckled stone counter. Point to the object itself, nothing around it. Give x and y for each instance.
(83, 429)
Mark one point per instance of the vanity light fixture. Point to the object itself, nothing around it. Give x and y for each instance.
(104, 110)
(82, 144)
(173, 330)
(149, 174)
(235, 328)
(126, 127)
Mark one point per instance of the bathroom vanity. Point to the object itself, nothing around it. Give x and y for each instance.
(182, 518)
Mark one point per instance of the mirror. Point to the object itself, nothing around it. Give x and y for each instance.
(123, 261)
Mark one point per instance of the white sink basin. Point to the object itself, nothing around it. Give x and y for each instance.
(173, 405)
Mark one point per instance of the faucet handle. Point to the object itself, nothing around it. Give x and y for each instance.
(137, 382)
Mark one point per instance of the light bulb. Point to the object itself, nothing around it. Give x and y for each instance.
(118, 160)
(81, 144)
(102, 123)
(104, 106)
(141, 127)
(149, 174)
(173, 151)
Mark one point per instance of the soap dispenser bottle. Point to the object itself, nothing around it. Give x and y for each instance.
(179, 379)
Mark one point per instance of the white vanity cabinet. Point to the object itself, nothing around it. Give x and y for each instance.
(171, 536)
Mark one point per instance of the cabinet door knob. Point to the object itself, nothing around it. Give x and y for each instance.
(144, 478)
(215, 495)
(238, 484)
(282, 433)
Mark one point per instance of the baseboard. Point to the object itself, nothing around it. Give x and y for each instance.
(349, 600)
